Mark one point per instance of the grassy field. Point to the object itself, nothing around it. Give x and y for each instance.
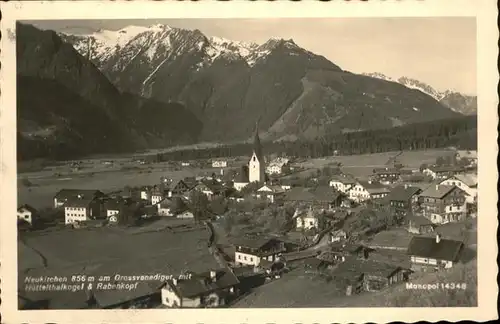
(298, 289)
(45, 186)
(362, 165)
(114, 248)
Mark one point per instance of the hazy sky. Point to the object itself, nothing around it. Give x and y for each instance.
(438, 51)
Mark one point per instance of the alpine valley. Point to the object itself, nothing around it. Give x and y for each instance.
(158, 86)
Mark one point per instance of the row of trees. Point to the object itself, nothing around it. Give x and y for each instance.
(459, 132)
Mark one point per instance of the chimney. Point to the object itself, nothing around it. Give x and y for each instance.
(406, 186)
(438, 238)
(213, 275)
(437, 187)
(80, 196)
(174, 280)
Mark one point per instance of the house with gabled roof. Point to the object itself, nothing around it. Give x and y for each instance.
(466, 182)
(250, 251)
(272, 193)
(64, 194)
(402, 198)
(442, 204)
(322, 197)
(366, 190)
(213, 288)
(342, 183)
(434, 252)
(443, 172)
(386, 175)
(369, 275)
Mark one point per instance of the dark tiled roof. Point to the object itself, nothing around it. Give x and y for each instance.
(254, 243)
(386, 171)
(69, 193)
(400, 193)
(201, 284)
(79, 202)
(354, 267)
(438, 191)
(343, 179)
(446, 168)
(427, 247)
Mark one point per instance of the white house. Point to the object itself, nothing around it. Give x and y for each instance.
(307, 220)
(271, 193)
(466, 182)
(342, 183)
(209, 289)
(27, 213)
(434, 253)
(363, 191)
(80, 209)
(278, 166)
(252, 251)
(219, 164)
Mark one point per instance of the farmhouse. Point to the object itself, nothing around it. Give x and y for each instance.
(322, 197)
(210, 289)
(158, 193)
(271, 193)
(307, 220)
(342, 183)
(386, 175)
(63, 195)
(173, 206)
(402, 198)
(466, 182)
(27, 214)
(363, 191)
(443, 204)
(219, 164)
(209, 188)
(252, 251)
(443, 172)
(81, 208)
(369, 275)
(434, 253)
(279, 165)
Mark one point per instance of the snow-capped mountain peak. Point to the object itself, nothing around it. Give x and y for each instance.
(452, 99)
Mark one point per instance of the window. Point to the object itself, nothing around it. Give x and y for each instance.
(251, 259)
(245, 258)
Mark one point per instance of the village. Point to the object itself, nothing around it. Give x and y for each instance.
(265, 223)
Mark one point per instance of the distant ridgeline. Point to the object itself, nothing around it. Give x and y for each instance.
(458, 132)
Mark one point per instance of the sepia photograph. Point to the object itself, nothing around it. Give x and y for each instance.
(247, 162)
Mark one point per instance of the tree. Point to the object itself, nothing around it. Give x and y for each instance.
(251, 188)
(199, 205)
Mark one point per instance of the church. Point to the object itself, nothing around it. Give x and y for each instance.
(255, 170)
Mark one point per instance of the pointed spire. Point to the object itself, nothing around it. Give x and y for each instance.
(257, 147)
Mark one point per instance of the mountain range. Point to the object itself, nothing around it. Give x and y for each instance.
(67, 107)
(456, 101)
(158, 86)
(294, 93)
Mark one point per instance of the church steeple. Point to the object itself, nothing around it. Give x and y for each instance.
(257, 146)
(256, 165)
